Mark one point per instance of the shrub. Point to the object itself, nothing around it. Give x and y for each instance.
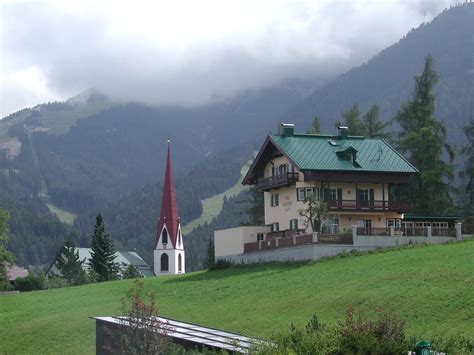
(56, 282)
(32, 282)
(131, 272)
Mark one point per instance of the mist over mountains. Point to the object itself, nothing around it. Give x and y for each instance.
(93, 154)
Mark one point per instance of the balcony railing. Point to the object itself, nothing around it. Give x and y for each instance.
(375, 205)
(279, 180)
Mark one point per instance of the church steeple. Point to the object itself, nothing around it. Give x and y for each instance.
(169, 248)
(169, 210)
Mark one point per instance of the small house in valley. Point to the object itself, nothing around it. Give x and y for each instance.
(363, 183)
(122, 258)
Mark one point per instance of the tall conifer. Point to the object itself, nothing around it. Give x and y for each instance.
(423, 138)
(103, 252)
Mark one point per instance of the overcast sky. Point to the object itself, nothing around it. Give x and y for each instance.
(188, 52)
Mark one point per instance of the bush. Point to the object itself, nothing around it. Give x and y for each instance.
(32, 282)
(353, 335)
(131, 272)
(56, 282)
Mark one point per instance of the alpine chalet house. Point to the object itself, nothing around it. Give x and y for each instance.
(168, 255)
(362, 182)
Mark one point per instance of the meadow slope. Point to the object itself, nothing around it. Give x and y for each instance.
(432, 287)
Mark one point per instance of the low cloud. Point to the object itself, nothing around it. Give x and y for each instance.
(187, 52)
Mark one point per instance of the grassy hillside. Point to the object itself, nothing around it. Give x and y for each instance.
(430, 286)
(212, 206)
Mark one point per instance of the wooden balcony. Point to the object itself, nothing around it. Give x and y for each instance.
(376, 205)
(275, 181)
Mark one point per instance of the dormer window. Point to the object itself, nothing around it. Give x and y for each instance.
(348, 153)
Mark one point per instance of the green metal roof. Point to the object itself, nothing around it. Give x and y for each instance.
(319, 152)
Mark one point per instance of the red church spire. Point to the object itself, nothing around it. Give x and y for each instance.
(169, 210)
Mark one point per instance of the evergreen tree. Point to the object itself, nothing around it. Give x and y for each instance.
(131, 272)
(103, 252)
(468, 172)
(351, 119)
(423, 138)
(6, 257)
(372, 126)
(70, 265)
(315, 126)
(255, 211)
(210, 260)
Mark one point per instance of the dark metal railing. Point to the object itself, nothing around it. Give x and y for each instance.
(374, 205)
(279, 180)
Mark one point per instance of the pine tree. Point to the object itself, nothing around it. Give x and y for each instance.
(373, 127)
(315, 126)
(70, 265)
(351, 119)
(423, 138)
(103, 252)
(6, 257)
(468, 172)
(210, 260)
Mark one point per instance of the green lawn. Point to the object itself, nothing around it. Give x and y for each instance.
(432, 287)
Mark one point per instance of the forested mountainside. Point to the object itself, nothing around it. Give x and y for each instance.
(85, 164)
(132, 220)
(91, 153)
(387, 79)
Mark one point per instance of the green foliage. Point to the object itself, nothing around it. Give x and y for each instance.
(468, 172)
(255, 211)
(368, 126)
(423, 139)
(55, 282)
(102, 259)
(352, 335)
(314, 213)
(373, 127)
(315, 126)
(6, 257)
(32, 282)
(352, 120)
(70, 265)
(131, 272)
(211, 255)
(141, 332)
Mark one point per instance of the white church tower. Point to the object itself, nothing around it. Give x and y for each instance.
(169, 248)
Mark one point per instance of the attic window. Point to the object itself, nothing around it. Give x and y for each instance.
(333, 143)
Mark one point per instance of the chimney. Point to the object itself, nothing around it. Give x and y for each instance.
(343, 131)
(287, 129)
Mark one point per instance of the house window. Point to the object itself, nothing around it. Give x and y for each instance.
(164, 236)
(274, 200)
(164, 262)
(275, 227)
(440, 225)
(260, 237)
(180, 262)
(364, 194)
(365, 223)
(300, 194)
(294, 224)
(391, 222)
(308, 192)
(332, 194)
(332, 224)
